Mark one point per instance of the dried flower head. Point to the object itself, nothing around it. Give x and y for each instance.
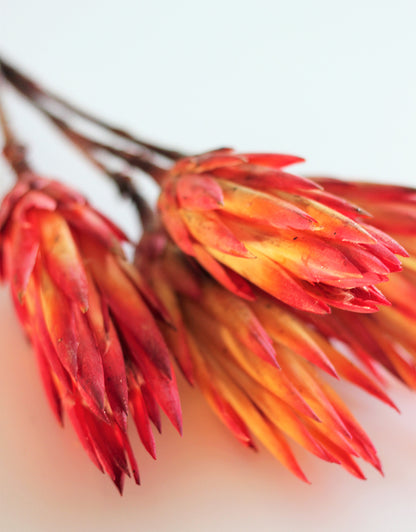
(259, 364)
(245, 219)
(90, 318)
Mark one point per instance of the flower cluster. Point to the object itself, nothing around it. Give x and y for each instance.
(259, 364)
(263, 286)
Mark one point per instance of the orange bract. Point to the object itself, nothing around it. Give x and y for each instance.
(90, 318)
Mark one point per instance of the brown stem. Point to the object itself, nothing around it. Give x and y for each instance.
(35, 93)
(15, 155)
(140, 161)
(122, 180)
(13, 151)
(89, 147)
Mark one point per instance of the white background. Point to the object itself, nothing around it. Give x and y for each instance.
(332, 81)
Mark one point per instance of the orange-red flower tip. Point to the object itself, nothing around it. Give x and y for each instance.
(386, 338)
(244, 219)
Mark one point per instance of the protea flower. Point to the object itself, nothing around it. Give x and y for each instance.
(90, 318)
(258, 364)
(388, 336)
(245, 219)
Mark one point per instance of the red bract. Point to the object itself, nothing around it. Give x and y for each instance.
(245, 219)
(90, 318)
(258, 364)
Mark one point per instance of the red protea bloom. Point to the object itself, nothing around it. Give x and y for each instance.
(89, 316)
(388, 336)
(254, 362)
(244, 219)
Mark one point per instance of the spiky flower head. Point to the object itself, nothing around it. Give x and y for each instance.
(259, 365)
(90, 318)
(245, 219)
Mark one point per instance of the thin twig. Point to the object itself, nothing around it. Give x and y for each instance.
(13, 151)
(35, 92)
(5, 128)
(122, 180)
(87, 146)
(140, 161)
